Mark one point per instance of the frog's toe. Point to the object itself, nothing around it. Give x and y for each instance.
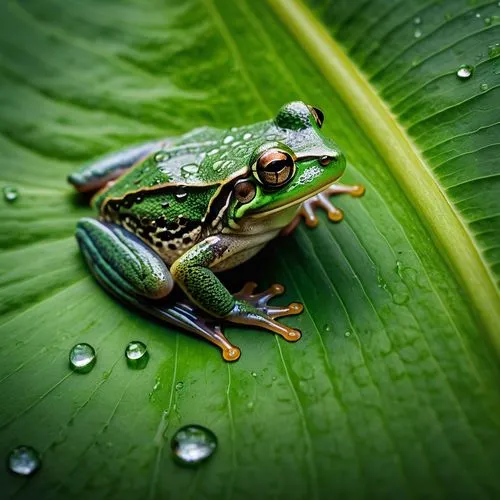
(322, 201)
(253, 309)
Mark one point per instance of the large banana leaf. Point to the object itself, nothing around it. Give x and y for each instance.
(394, 390)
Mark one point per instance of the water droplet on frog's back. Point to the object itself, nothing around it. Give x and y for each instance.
(464, 72)
(228, 139)
(181, 194)
(10, 194)
(23, 460)
(193, 444)
(137, 355)
(82, 358)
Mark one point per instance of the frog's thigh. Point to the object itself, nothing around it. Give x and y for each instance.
(121, 262)
(97, 173)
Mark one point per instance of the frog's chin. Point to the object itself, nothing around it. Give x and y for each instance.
(291, 203)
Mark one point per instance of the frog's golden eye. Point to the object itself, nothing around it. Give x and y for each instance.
(244, 191)
(274, 168)
(318, 115)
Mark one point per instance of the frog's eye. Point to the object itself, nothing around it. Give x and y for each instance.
(274, 168)
(244, 191)
(318, 115)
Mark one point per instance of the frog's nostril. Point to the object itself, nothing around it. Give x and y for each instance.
(327, 159)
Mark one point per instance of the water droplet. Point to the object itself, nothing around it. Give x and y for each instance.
(400, 298)
(347, 334)
(493, 50)
(483, 86)
(228, 139)
(191, 169)
(82, 358)
(161, 156)
(417, 33)
(247, 136)
(23, 460)
(250, 405)
(464, 72)
(212, 152)
(10, 194)
(137, 355)
(417, 20)
(327, 328)
(181, 194)
(179, 386)
(487, 21)
(193, 444)
(478, 15)
(254, 374)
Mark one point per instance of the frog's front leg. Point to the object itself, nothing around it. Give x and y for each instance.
(322, 200)
(136, 275)
(192, 272)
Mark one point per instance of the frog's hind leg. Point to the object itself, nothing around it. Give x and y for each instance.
(322, 200)
(132, 272)
(94, 175)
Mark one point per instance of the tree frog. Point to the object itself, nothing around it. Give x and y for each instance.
(177, 211)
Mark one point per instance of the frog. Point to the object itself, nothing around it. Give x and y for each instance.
(174, 212)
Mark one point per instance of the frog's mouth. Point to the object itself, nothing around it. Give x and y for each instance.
(292, 203)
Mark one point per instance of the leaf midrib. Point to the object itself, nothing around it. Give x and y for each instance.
(401, 155)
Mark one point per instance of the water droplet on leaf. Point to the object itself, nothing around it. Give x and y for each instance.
(483, 86)
(181, 194)
(418, 33)
(10, 194)
(417, 20)
(137, 355)
(193, 444)
(494, 50)
(179, 386)
(82, 358)
(23, 460)
(464, 72)
(347, 334)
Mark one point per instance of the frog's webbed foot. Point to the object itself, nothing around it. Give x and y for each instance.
(253, 309)
(189, 317)
(322, 200)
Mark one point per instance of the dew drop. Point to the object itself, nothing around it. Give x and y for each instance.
(493, 50)
(212, 152)
(254, 374)
(478, 15)
(82, 358)
(250, 405)
(137, 355)
(417, 20)
(23, 460)
(247, 136)
(188, 170)
(161, 156)
(181, 194)
(193, 444)
(487, 21)
(464, 72)
(347, 334)
(179, 386)
(10, 194)
(417, 33)
(400, 298)
(228, 139)
(483, 86)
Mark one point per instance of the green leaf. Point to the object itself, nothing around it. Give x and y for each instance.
(393, 391)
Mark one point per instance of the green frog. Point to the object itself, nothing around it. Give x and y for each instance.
(177, 211)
